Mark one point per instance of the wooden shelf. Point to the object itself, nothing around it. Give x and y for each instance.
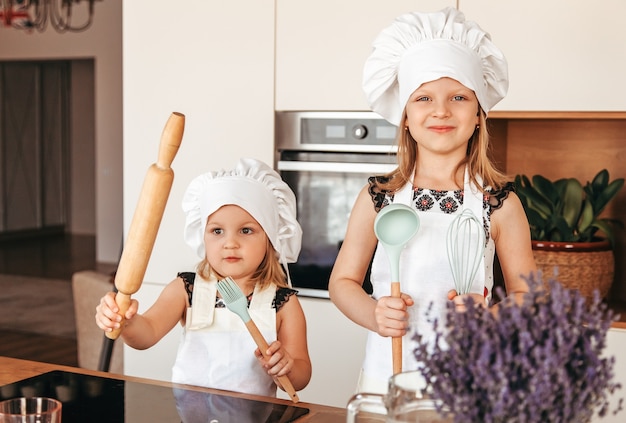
(560, 144)
(557, 115)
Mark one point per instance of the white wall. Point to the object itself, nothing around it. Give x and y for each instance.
(102, 42)
(213, 63)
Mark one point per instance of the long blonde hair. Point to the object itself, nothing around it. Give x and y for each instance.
(269, 271)
(477, 159)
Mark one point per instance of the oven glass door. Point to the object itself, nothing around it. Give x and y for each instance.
(326, 186)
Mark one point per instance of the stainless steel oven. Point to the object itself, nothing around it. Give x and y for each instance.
(326, 158)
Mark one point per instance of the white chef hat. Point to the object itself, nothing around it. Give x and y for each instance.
(423, 47)
(253, 186)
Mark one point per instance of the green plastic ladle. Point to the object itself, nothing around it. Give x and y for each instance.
(394, 226)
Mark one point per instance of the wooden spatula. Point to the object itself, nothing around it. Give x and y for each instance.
(237, 302)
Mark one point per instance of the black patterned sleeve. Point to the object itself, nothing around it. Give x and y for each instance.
(496, 198)
(282, 296)
(188, 278)
(379, 195)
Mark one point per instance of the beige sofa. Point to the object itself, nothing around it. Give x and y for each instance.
(88, 287)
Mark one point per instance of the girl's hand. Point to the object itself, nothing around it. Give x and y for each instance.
(459, 300)
(392, 317)
(107, 317)
(278, 361)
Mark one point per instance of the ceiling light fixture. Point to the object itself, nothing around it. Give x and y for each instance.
(37, 14)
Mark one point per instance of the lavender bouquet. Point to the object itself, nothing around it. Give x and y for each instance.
(540, 361)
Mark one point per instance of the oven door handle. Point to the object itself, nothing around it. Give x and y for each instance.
(341, 167)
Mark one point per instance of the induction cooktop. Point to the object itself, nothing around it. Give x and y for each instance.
(96, 399)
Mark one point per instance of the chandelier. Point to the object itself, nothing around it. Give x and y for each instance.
(37, 14)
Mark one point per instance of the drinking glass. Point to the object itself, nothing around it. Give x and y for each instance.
(30, 410)
(405, 401)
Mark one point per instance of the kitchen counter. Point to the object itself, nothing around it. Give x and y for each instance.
(153, 392)
(618, 307)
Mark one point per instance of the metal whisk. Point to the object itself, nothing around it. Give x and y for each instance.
(465, 246)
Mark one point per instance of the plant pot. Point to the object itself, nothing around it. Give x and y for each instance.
(585, 266)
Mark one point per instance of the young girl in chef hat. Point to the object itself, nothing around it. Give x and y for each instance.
(435, 76)
(242, 223)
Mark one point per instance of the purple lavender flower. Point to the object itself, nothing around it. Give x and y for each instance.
(539, 361)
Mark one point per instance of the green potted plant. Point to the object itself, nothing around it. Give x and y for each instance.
(570, 240)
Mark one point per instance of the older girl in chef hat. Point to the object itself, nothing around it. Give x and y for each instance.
(435, 76)
(241, 223)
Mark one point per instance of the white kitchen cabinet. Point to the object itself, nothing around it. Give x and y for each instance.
(615, 346)
(337, 348)
(155, 362)
(564, 55)
(321, 47)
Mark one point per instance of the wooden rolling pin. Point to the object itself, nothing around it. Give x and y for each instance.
(147, 218)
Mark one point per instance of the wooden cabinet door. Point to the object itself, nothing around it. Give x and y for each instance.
(33, 141)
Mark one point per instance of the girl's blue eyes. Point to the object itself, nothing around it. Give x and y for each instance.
(219, 231)
(455, 98)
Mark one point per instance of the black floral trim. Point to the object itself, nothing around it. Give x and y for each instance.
(438, 194)
(495, 199)
(380, 197)
(424, 202)
(282, 294)
(459, 195)
(188, 278)
(448, 205)
(448, 201)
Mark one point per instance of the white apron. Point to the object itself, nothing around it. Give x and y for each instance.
(426, 276)
(216, 349)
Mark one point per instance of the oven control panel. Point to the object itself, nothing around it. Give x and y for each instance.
(334, 131)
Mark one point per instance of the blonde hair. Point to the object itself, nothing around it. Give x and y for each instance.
(477, 159)
(269, 271)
